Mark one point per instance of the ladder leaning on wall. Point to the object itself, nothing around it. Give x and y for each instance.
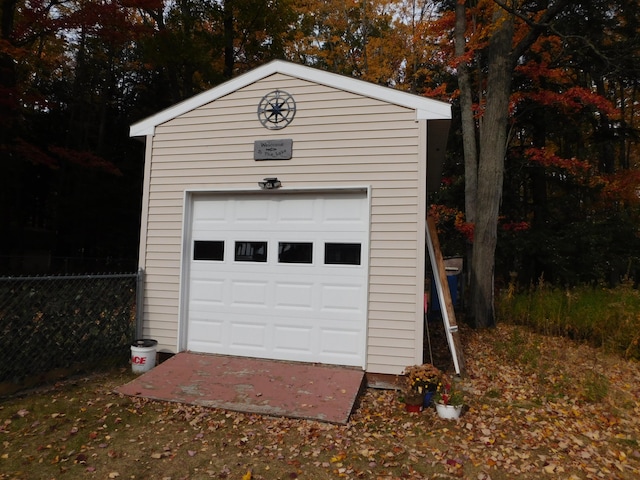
(444, 297)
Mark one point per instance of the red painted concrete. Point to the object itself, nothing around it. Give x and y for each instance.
(289, 389)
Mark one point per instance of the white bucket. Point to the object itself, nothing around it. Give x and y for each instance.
(448, 412)
(143, 355)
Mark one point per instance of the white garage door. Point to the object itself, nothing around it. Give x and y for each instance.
(279, 276)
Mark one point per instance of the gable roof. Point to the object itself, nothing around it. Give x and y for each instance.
(426, 108)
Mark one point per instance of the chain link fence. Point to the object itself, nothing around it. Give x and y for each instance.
(55, 326)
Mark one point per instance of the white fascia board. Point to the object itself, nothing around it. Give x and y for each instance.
(147, 126)
(442, 113)
(426, 108)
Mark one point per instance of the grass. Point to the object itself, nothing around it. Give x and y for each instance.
(595, 386)
(605, 317)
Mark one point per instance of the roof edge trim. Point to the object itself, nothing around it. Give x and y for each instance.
(426, 108)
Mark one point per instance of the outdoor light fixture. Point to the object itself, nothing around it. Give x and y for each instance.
(270, 183)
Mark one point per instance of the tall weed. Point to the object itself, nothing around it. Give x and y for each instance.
(604, 317)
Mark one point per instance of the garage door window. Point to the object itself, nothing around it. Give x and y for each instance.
(289, 252)
(208, 250)
(251, 251)
(342, 253)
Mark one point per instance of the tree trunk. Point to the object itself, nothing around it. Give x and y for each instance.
(468, 123)
(493, 144)
(487, 176)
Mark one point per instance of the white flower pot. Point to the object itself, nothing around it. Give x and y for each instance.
(448, 411)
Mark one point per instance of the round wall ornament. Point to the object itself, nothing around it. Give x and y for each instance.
(276, 110)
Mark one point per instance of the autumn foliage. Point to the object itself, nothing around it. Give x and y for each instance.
(74, 75)
(571, 186)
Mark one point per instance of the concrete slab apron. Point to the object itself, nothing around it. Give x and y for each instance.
(289, 389)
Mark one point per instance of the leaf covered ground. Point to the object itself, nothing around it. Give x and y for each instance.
(537, 407)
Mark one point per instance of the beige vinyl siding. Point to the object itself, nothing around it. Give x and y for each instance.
(339, 139)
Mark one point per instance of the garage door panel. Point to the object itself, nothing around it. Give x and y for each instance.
(336, 298)
(209, 226)
(290, 296)
(206, 333)
(203, 346)
(254, 212)
(338, 341)
(340, 345)
(288, 338)
(301, 212)
(249, 294)
(208, 291)
(205, 213)
(288, 304)
(248, 335)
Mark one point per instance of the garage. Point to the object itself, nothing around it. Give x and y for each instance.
(279, 276)
(283, 217)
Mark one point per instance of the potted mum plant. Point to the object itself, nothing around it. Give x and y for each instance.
(413, 401)
(421, 384)
(448, 400)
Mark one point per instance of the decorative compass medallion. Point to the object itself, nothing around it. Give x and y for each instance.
(276, 110)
